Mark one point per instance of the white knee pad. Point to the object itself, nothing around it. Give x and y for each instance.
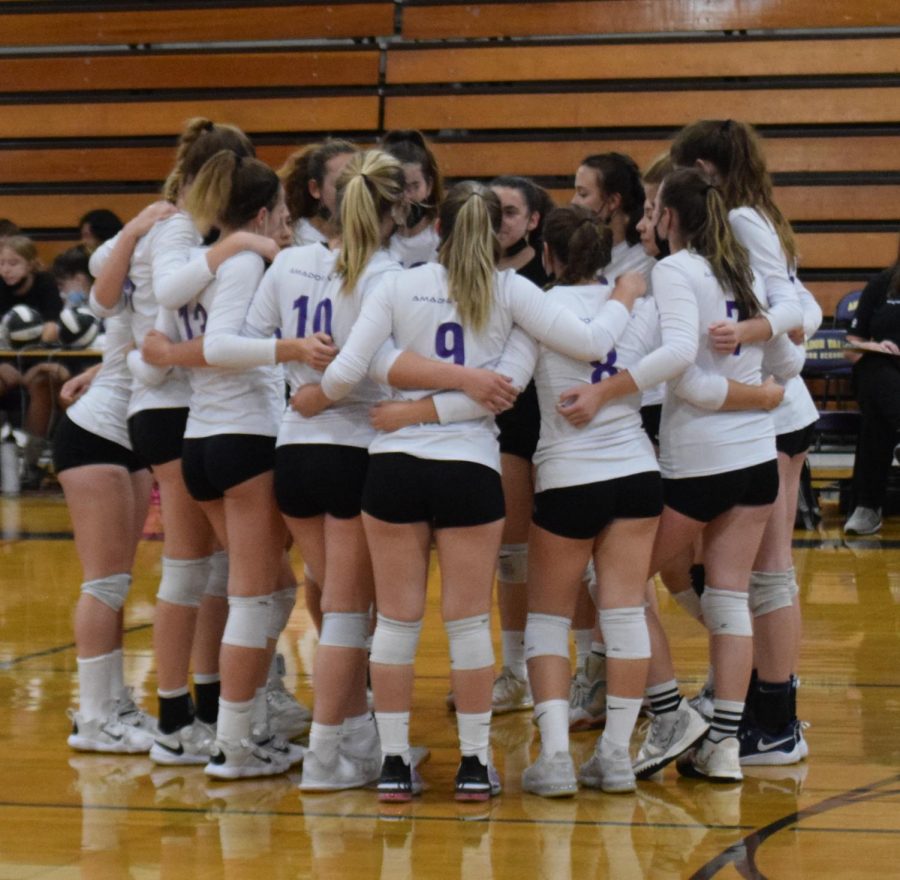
(470, 642)
(111, 590)
(395, 641)
(726, 613)
(546, 635)
(512, 564)
(282, 606)
(625, 633)
(690, 602)
(769, 591)
(248, 621)
(217, 583)
(793, 586)
(345, 629)
(183, 581)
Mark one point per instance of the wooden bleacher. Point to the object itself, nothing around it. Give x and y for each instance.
(92, 96)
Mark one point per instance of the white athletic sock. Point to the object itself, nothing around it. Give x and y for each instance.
(274, 675)
(117, 673)
(552, 719)
(360, 733)
(259, 713)
(514, 651)
(234, 720)
(94, 674)
(393, 731)
(324, 740)
(621, 716)
(583, 639)
(474, 734)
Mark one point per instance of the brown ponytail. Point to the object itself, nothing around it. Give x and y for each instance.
(309, 163)
(579, 241)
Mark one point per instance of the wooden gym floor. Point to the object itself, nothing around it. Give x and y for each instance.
(68, 815)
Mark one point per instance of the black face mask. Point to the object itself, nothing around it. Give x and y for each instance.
(415, 214)
(662, 245)
(516, 248)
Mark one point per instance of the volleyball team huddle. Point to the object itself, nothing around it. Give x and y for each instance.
(638, 353)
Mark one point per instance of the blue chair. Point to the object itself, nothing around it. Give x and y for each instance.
(845, 310)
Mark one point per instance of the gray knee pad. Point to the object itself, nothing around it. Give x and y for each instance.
(111, 590)
(770, 591)
(546, 635)
(625, 633)
(395, 641)
(470, 642)
(183, 581)
(282, 606)
(345, 629)
(217, 583)
(512, 564)
(248, 621)
(726, 613)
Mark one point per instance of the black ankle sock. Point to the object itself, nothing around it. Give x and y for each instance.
(175, 713)
(207, 701)
(773, 705)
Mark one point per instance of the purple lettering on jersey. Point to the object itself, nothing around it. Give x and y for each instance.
(457, 348)
(604, 369)
(194, 321)
(321, 316)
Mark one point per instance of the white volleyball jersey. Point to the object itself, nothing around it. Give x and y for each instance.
(614, 444)
(798, 409)
(413, 250)
(415, 308)
(695, 441)
(159, 253)
(223, 400)
(770, 265)
(103, 408)
(628, 258)
(306, 233)
(301, 294)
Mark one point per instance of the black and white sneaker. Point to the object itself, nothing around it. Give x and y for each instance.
(399, 781)
(243, 760)
(476, 781)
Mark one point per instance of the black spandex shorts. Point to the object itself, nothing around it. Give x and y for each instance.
(705, 498)
(312, 479)
(213, 465)
(73, 447)
(796, 442)
(447, 494)
(650, 416)
(156, 434)
(520, 426)
(584, 511)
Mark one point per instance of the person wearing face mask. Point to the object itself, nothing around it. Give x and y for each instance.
(609, 185)
(73, 277)
(416, 240)
(309, 177)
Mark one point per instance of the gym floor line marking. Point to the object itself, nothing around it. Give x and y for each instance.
(47, 652)
(742, 855)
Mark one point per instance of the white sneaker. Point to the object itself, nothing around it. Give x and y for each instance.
(863, 521)
(131, 715)
(288, 717)
(670, 734)
(344, 772)
(106, 735)
(511, 693)
(243, 760)
(551, 776)
(717, 762)
(192, 744)
(587, 695)
(608, 769)
(703, 701)
(279, 747)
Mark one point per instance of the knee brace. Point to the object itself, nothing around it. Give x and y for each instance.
(111, 590)
(345, 629)
(546, 635)
(395, 641)
(726, 613)
(512, 564)
(470, 642)
(282, 606)
(217, 583)
(625, 633)
(248, 620)
(183, 581)
(690, 602)
(769, 591)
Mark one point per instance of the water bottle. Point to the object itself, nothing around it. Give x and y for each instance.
(9, 467)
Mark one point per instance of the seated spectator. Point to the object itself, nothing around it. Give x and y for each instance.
(876, 381)
(73, 277)
(96, 227)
